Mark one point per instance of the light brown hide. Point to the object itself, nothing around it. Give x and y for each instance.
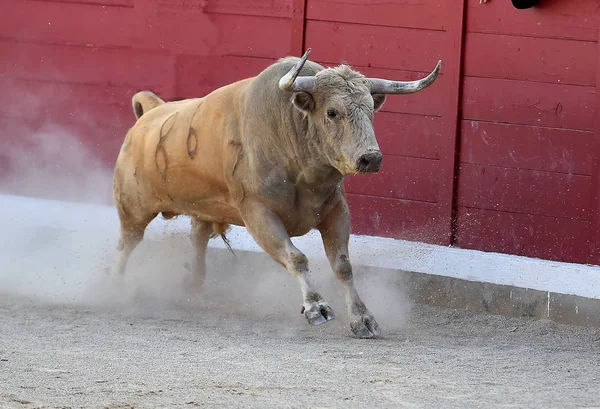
(168, 175)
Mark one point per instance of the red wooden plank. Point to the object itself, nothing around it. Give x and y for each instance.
(529, 103)
(118, 3)
(521, 234)
(53, 22)
(196, 76)
(595, 191)
(526, 147)
(211, 34)
(408, 135)
(88, 65)
(524, 191)
(429, 14)
(574, 19)
(297, 27)
(271, 8)
(401, 178)
(399, 219)
(253, 36)
(451, 89)
(531, 59)
(375, 46)
(88, 104)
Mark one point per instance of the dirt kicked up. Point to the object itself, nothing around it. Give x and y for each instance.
(137, 343)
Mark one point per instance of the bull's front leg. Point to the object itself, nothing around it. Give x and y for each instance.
(335, 232)
(268, 231)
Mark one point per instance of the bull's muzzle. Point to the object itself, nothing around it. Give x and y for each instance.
(370, 162)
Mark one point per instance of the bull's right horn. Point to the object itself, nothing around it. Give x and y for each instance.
(290, 81)
(379, 86)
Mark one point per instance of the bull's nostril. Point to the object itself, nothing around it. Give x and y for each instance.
(363, 164)
(369, 162)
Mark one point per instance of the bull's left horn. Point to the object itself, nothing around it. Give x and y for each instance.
(380, 86)
(290, 81)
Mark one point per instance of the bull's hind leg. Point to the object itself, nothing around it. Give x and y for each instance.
(269, 232)
(199, 235)
(132, 233)
(335, 232)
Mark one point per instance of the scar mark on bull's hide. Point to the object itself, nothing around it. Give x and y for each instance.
(237, 146)
(137, 182)
(160, 157)
(192, 141)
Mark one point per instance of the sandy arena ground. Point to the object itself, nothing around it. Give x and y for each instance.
(72, 338)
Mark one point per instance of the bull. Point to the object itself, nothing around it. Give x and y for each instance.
(268, 153)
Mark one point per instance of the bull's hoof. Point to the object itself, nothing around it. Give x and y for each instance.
(365, 327)
(318, 313)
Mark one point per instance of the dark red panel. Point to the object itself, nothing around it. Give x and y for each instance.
(271, 8)
(400, 177)
(196, 76)
(399, 219)
(375, 46)
(527, 147)
(423, 14)
(87, 104)
(99, 3)
(521, 234)
(53, 22)
(576, 19)
(88, 65)
(211, 34)
(524, 191)
(530, 58)
(408, 135)
(529, 103)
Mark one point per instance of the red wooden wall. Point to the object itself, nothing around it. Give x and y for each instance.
(500, 154)
(529, 128)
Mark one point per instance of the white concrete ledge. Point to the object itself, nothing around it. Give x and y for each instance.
(565, 278)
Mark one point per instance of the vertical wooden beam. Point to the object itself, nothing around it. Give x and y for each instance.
(451, 116)
(298, 25)
(594, 237)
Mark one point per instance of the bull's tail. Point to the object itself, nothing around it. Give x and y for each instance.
(219, 229)
(144, 101)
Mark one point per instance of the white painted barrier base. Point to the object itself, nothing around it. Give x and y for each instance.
(564, 278)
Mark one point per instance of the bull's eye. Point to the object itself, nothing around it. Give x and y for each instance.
(331, 113)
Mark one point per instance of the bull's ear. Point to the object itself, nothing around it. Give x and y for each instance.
(378, 100)
(303, 101)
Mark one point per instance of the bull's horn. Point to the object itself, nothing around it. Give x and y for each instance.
(380, 86)
(289, 82)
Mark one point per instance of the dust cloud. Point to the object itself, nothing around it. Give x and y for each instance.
(67, 264)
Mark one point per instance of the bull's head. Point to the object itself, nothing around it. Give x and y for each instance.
(340, 103)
